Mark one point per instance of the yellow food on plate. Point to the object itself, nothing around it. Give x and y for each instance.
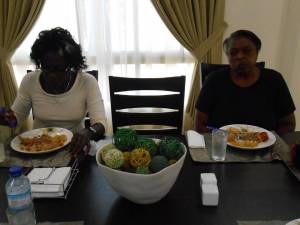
(42, 142)
(244, 138)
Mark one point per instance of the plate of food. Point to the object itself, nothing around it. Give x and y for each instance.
(294, 222)
(249, 137)
(43, 140)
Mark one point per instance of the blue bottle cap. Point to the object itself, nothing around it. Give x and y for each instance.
(15, 171)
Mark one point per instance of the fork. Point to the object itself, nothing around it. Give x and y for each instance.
(42, 180)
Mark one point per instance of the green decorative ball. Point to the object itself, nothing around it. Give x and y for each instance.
(114, 158)
(148, 144)
(171, 148)
(125, 139)
(158, 163)
(142, 170)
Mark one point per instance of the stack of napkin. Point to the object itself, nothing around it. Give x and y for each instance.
(49, 182)
(195, 140)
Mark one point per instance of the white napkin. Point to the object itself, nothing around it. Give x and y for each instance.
(195, 140)
(49, 179)
(93, 149)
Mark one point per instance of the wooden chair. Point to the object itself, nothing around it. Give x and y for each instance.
(131, 108)
(207, 68)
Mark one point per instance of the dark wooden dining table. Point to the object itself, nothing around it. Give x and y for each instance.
(248, 191)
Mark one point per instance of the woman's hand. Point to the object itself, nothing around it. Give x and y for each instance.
(80, 143)
(7, 117)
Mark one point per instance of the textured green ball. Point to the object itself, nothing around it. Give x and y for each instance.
(142, 170)
(125, 139)
(114, 158)
(171, 148)
(148, 144)
(158, 163)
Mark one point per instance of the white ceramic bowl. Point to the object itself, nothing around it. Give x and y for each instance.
(142, 188)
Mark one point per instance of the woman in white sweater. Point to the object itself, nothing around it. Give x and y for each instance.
(58, 92)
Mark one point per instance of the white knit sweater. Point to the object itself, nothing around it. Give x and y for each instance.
(66, 110)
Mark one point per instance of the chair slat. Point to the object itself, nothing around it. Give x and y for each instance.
(163, 132)
(128, 84)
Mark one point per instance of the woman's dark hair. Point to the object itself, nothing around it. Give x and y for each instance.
(58, 40)
(245, 34)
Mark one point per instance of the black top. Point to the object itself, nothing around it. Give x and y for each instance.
(262, 104)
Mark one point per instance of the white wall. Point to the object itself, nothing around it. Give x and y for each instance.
(276, 22)
(289, 52)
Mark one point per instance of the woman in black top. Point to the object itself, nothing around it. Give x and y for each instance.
(244, 93)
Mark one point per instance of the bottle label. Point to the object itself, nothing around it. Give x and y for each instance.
(20, 201)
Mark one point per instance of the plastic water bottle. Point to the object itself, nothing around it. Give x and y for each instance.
(20, 209)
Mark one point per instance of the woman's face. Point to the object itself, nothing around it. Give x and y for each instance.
(54, 65)
(242, 55)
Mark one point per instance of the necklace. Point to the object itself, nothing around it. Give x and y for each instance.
(56, 89)
(69, 82)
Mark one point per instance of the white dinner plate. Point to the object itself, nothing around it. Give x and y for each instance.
(252, 128)
(52, 131)
(294, 222)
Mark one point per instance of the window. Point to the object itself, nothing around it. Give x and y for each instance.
(50, 17)
(119, 37)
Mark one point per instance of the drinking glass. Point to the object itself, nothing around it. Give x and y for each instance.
(219, 143)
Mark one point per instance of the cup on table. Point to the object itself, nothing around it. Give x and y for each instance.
(219, 143)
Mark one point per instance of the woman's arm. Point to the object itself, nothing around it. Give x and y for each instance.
(23, 102)
(95, 108)
(96, 131)
(81, 139)
(286, 124)
(201, 122)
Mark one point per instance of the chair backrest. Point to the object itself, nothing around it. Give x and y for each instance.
(207, 68)
(93, 72)
(148, 101)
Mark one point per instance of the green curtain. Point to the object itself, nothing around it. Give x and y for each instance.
(199, 26)
(17, 17)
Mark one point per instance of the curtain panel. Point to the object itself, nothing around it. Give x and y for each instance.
(199, 26)
(16, 20)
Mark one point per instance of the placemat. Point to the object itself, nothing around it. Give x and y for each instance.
(280, 150)
(263, 222)
(58, 223)
(58, 158)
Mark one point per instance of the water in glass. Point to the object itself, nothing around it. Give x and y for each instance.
(219, 143)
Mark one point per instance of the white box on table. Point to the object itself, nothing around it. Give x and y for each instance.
(208, 178)
(210, 194)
